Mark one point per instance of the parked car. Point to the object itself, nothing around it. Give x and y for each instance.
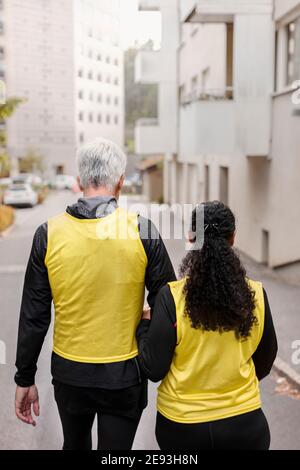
(20, 195)
(27, 178)
(63, 182)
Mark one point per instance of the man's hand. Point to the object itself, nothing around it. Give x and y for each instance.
(27, 399)
(146, 313)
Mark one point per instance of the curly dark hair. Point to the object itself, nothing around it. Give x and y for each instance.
(218, 296)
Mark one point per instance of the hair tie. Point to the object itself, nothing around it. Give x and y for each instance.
(212, 229)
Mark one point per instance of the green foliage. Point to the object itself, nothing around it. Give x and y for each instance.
(6, 111)
(141, 101)
(32, 162)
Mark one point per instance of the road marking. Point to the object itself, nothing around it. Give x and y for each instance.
(12, 269)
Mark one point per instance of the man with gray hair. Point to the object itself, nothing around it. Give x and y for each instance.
(94, 262)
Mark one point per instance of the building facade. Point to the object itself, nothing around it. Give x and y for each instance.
(64, 58)
(238, 124)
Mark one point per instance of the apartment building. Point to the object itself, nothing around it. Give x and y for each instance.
(238, 124)
(63, 57)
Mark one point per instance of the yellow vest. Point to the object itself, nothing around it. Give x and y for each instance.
(97, 276)
(212, 375)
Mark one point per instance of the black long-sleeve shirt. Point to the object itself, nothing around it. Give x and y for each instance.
(157, 340)
(35, 314)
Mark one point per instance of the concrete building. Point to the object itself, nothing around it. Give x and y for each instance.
(159, 136)
(239, 128)
(63, 57)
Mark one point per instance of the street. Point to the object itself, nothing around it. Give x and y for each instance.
(281, 404)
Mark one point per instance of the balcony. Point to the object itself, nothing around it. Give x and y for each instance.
(223, 11)
(154, 66)
(149, 138)
(147, 66)
(149, 5)
(208, 127)
(186, 8)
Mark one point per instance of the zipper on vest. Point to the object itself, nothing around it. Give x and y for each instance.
(138, 369)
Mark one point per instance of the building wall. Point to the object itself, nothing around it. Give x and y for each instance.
(250, 143)
(40, 69)
(47, 44)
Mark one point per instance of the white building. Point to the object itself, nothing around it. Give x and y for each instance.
(239, 130)
(64, 57)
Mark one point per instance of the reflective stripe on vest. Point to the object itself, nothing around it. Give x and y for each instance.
(97, 276)
(212, 375)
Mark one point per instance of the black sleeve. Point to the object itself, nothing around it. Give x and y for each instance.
(157, 338)
(266, 352)
(35, 314)
(159, 270)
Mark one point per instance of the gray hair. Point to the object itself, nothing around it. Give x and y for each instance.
(101, 163)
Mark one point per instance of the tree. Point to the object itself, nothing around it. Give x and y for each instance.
(140, 99)
(6, 111)
(32, 162)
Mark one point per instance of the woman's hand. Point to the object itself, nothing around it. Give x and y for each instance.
(146, 313)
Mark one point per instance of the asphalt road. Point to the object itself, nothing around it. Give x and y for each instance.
(281, 403)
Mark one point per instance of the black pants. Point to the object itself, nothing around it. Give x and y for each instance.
(249, 431)
(118, 413)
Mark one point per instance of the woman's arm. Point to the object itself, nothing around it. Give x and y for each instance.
(157, 337)
(266, 352)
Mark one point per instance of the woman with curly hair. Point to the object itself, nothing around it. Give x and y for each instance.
(210, 340)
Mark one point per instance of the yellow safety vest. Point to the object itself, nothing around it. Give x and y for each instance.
(212, 375)
(97, 276)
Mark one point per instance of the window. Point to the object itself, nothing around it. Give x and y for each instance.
(229, 61)
(1, 27)
(108, 79)
(116, 81)
(81, 95)
(99, 118)
(108, 119)
(116, 62)
(293, 56)
(194, 86)
(80, 73)
(99, 98)
(116, 120)
(108, 100)
(99, 57)
(265, 247)
(81, 116)
(108, 60)
(116, 101)
(90, 75)
(91, 117)
(81, 138)
(224, 185)
(99, 77)
(91, 97)
(2, 53)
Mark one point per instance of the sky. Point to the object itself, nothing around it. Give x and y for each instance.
(139, 26)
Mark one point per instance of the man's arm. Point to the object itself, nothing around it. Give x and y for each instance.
(159, 269)
(35, 314)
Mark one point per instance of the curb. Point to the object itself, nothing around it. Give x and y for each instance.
(285, 369)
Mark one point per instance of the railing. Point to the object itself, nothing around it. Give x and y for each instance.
(146, 122)
(208, 94)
